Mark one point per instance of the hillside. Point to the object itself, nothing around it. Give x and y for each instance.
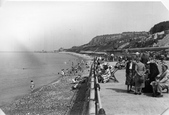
(157, 36)
(160, 27)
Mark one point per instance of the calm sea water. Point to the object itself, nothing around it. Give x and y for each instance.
(18, 69)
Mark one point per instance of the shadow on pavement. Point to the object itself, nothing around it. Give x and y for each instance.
(118, 90)
(125, 91)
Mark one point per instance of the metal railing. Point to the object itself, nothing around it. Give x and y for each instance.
(95, 105)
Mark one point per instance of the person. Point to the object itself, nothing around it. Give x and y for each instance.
(162, 62)
(137, 54)
(79, 67)
(130, 71)
(62, 72)
(112, 71)
(139, 77)
(106, 75)
(153, 69)
(76, 79)
(144, 58)
(32, 85)
(112, 57)
(161, 82)
(103, 73)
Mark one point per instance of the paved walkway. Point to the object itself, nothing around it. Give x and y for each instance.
(116, 100)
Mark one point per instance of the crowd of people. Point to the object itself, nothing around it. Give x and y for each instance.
(76, 69)
(104, 71)
(143, 73)
(146, 74)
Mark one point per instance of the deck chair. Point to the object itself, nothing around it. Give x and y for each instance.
(113, 76)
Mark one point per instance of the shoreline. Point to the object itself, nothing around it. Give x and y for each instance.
(18, 70)
(84, 56)
(50, 98)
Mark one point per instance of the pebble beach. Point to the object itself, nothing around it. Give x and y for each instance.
(54, 98)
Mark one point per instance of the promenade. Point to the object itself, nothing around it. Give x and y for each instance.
(116, 101)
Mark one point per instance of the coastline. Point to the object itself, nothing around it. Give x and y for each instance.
(53, 98)
(84, 56)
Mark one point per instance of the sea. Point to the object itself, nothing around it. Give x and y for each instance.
(18, 69)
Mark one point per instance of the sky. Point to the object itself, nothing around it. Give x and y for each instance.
(49, 25)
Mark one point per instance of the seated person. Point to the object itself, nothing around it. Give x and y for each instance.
(106, 75)
(112, 72)
(103, 73)
(117, 65)
(161, 82)
(99, 72)
(76, 79)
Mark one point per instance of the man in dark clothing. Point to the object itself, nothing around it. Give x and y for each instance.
(153, 72)
(130, 71)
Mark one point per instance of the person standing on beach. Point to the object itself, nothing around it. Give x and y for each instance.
(62, 73)
(32, 85)
(82, 62)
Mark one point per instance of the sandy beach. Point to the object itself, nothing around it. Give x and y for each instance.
(52, 98)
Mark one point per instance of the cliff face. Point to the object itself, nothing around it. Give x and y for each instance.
(157, 36)
(104, 39)
(112, 41)
(123, 37)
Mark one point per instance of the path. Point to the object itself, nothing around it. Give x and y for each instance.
(116, 100)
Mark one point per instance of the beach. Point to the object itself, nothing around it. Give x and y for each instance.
(51, 98)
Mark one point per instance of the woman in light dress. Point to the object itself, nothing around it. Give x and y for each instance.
(140, 70)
